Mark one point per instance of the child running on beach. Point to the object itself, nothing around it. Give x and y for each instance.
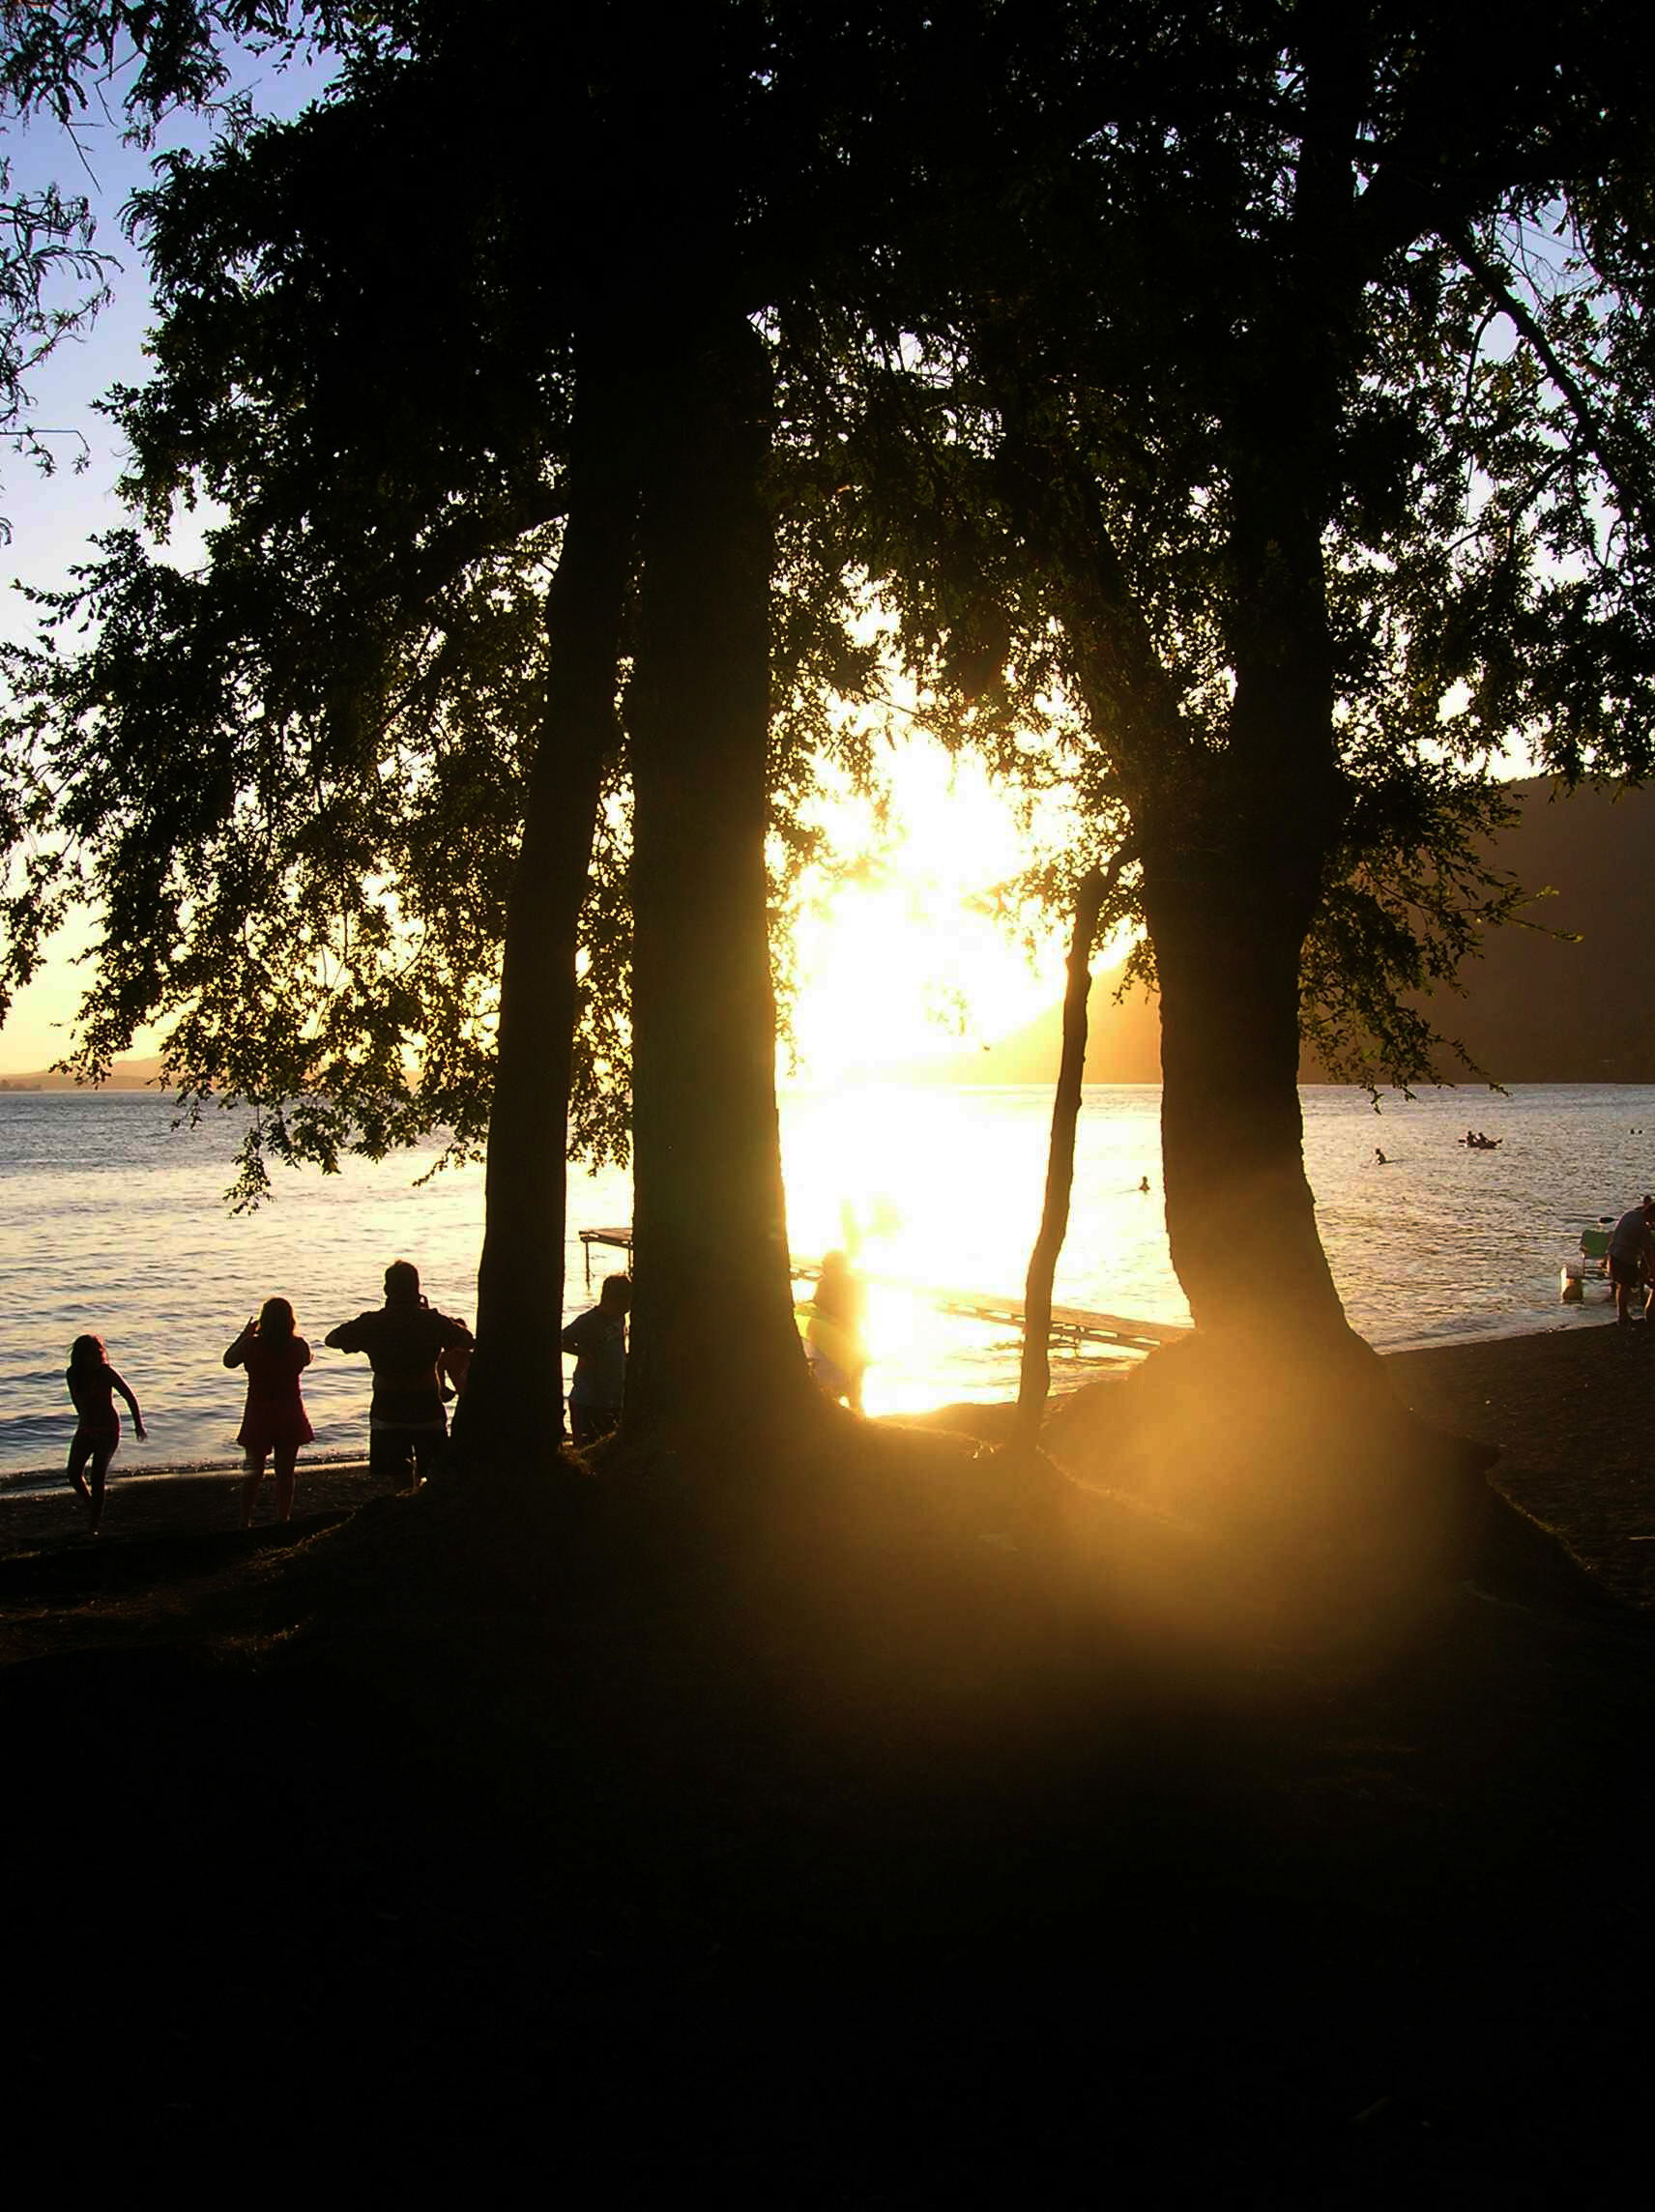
(92, 1387)
(274, 1355)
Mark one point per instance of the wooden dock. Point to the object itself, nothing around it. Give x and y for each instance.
(620, 1237)
(1074, 1324)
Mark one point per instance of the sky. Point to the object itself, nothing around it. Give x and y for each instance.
(900, 960)
(52, 517)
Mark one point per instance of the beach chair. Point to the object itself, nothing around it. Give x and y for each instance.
(1594, 1250)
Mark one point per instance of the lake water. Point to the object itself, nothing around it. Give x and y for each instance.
(113, 1222)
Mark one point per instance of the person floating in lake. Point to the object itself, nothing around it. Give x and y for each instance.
(406, 1340)
(1143, 1185)
(1632, 1258)
(597, 1338)
(274, 1419)
(833, 1331)
(92, 1387)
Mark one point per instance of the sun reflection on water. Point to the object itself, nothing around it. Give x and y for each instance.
(911, 1184)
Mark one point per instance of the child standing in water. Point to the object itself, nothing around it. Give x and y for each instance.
(92, 1387)
(834, 1343)
(274, 1355)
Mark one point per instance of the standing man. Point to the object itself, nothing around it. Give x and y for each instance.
(405, 1340)
(597, 1338)
(1632, 1257)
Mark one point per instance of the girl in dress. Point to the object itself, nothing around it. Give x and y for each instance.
(92, 1387)
(274, 1355)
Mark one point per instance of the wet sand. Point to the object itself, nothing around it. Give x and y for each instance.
(161, 1501)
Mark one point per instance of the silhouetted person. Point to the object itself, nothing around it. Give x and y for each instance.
(1143, 1185)
(833, 1331)
(1380, 1159)
(92, 1387)
(274, 1419)
(1631, 1256)
(597, 1338)
(405, 1340)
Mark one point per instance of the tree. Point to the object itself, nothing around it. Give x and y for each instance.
(1269, 384)
(52, 58)
(360, 664)
(295, 784)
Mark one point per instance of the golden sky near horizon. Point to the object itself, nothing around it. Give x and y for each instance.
(897, 953)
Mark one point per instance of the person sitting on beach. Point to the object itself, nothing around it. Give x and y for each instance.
(597, 1338)
(405, 1339)
(1632, 1257)
(274, 1419)
(833, 1331)
(92, 1387)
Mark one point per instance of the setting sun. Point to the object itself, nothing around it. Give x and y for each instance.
(898, 954)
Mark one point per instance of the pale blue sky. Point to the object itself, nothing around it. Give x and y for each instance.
(52, 517)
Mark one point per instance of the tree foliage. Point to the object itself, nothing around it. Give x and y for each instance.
(292, 782)
(1253, 400)
(59, 60)
(1269, 396)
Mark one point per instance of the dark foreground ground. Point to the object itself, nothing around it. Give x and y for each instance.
(858, 1849)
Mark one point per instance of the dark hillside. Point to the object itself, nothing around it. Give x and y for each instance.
(1540, 1010)
(1535, 1008)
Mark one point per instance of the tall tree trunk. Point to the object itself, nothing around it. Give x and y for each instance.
(1240, 1215)
(1034, 1379)
(713, 1340)
(520, 1278)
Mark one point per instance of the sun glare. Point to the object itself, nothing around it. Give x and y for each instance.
(898, 957)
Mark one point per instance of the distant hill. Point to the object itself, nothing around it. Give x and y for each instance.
(1532, 1010)
(1535, 1010)
(127, 1075)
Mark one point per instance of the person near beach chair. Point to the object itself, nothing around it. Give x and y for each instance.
(1632, 1257)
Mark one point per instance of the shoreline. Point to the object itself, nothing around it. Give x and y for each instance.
(1566, 1407)
(46, 1480)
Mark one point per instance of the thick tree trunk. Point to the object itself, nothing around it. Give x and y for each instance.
(1240, 1215)
(1233, 877)
(713, 1340)
(1034, 1379)
(514, 1399)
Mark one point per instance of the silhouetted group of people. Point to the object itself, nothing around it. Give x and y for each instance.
(420, 1359)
